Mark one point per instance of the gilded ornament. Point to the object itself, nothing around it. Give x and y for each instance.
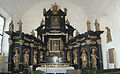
(44, 11)
(65, 10)
(34, 57)
(75, 53)
(10, 42)
(68, 55)
(94, 58)
(42, 22)
(77, 32)
(21, 42)
(20, 25)
(97, 25)
(84, 58)
(88, 26)
(26, 58)
(41, 56)
(11, 26)
(16, 59)
(55, 9)
(31, 44)
(33, 33)
(109, 38)
(67, 22)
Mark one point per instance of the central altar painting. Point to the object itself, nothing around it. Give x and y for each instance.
(55, 45)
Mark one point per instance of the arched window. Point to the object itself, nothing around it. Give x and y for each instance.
(2, 22)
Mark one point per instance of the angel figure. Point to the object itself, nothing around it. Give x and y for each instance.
(84, 58)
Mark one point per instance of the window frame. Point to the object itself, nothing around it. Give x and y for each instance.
(2, 32)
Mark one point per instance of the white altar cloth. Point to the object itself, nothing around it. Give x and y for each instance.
(55, 69)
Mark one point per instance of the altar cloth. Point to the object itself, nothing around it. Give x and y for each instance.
(55, 69)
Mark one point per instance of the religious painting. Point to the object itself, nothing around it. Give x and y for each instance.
(55, 22)
(54, 44)
(111, 55)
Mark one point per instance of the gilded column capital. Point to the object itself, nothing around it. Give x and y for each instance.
(31, 44)
(21, 42)
(99, 41)
(10, 42)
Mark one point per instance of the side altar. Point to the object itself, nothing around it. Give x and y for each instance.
(55, 45)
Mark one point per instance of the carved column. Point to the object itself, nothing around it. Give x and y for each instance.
(88, 54)
(71, 53)
(21, 55)
(31, 53)
(79, 57)
(100, 54)
(10, 65)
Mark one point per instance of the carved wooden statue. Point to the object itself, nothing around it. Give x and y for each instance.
(77, 32)
(35, 57)
(97, 26)
(33, 33)
(11, 26)
(41, 56)
(68, 55)
(26, 58)
(42, 22)
(67, 22)
(75, 56)
(54, 8)
(84, 58)
(94, 58)
(20, 25)
(88, 26)
(109, 38)
(16, 59)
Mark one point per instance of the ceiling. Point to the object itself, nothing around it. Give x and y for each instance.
(19, 7)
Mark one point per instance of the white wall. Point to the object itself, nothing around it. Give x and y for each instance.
(5, 44)
(31, 19)
(110, 17)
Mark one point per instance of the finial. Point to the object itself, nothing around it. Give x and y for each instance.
(20, 25)
(33, 33)
(65, 10)
(67, 21)
(42, 22)
(77, 32)
(44, 11)
(55, 8)
(88, 25)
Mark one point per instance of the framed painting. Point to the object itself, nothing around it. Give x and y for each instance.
(54, 44)
(55, 22)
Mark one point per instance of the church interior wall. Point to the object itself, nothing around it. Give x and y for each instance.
(109, 17)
